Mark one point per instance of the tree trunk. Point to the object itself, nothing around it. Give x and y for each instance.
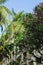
(21, 62)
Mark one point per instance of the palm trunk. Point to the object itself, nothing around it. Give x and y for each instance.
(14, 53)
(27, 61)
(21, 62)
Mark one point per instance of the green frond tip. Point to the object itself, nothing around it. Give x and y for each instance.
(2, 1)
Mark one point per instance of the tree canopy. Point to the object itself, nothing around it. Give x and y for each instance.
(24, 31)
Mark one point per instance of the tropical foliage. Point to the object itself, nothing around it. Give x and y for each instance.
(22, 37)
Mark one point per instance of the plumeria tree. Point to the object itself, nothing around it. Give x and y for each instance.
(34, 33)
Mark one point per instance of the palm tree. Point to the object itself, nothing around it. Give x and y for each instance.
(12, 31)
(4, 22)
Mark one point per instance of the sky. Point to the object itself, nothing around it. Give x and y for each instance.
(22, 5)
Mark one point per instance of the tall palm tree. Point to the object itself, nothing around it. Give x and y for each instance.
(4, 22)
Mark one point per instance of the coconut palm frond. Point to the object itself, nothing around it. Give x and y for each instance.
(4, 16)
(2, 1)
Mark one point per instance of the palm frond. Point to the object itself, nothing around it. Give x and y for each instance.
(2, 1)
(4, 16)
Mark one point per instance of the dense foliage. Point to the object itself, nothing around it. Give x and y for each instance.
(24, 31)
